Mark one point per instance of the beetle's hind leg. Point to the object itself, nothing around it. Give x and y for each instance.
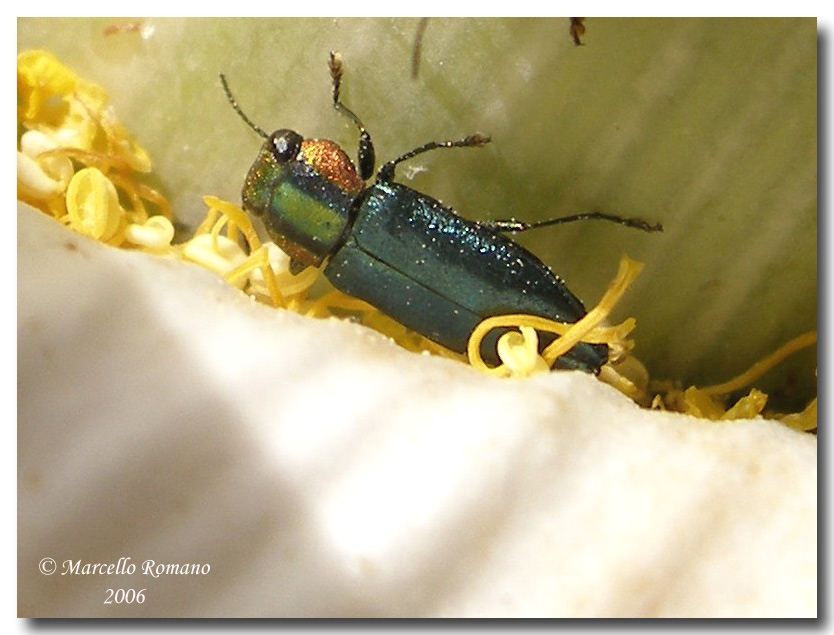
(513, 225)
(386, 172)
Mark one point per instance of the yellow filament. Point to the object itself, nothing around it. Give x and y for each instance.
(259, 260)
(587, 329)
(761, 367)
(238, 217)
(627, 272)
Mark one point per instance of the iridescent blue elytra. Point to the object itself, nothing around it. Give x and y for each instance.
(402, 251)
(440, 274)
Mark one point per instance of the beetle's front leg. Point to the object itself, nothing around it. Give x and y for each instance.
(386, 172)
(366, 156)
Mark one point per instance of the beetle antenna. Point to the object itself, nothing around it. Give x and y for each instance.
(237, 108)
(366, 155)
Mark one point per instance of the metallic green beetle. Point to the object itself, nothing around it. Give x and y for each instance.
(399, 250)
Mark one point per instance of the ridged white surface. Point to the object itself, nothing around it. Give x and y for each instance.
(321, 471)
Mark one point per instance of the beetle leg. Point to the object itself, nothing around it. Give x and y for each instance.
(577, 30)
(513, 225)
(366, 157)
(386, 172)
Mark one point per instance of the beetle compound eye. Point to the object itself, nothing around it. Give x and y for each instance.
(285, 144)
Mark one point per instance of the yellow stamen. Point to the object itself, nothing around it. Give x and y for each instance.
(238, 217)
(519, 352)
(217, 253)
(154, 234)
(93, 205)
(628, 271)
(587, 329)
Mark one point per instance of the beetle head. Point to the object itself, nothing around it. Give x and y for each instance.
(303, 189)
